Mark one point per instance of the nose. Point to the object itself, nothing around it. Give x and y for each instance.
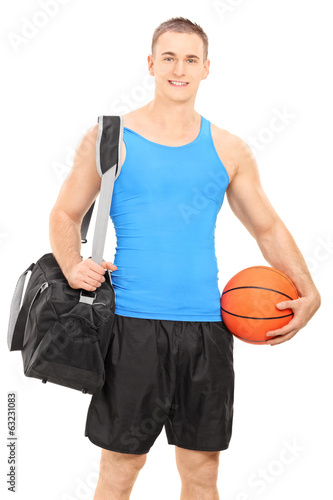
(178, 68)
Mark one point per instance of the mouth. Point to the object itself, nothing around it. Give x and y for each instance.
(177, 83)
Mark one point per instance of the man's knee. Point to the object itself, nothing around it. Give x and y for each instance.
(123, 466)
(197, 467)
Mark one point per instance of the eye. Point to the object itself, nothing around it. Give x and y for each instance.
(191, 60)
(168, 58)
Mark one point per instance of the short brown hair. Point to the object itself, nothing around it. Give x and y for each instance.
(180, 25)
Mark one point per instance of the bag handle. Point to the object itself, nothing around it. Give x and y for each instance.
(15, 343)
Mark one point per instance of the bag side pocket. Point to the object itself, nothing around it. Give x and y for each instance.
(69, 355)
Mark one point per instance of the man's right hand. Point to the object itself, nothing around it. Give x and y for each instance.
(88, 275)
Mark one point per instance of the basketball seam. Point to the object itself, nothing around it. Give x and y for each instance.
(250, 317)
(257, 287)
(277, 272)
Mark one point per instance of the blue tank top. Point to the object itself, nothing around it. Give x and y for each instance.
(164, 208)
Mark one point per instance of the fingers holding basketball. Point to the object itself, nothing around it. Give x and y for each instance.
(301, 315)
(274, 337)
(279, 338)
(290, 306)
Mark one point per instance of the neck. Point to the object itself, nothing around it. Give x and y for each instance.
(173, 117)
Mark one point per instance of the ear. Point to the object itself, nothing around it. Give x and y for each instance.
(206, 69)
(150, 60)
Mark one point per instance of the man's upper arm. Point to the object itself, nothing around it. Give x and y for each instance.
(245, 194)
(82, 185)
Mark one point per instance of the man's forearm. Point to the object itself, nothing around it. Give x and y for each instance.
(65, 240)
(280, 250)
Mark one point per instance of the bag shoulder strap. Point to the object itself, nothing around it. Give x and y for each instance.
(108, 159)
(108, 151)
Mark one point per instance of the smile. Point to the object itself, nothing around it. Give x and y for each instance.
(175, 83)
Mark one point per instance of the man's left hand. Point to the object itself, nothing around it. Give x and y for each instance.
(303, 308)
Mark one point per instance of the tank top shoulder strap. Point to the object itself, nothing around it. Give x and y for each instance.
(205, 128)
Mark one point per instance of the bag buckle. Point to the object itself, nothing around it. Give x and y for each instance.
(87, 299)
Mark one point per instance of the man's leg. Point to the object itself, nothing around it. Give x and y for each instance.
(129, 412)
(198, 471)
(117, 474)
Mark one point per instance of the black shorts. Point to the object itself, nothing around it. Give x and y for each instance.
(177, 373)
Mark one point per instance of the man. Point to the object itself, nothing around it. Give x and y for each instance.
(171, 357)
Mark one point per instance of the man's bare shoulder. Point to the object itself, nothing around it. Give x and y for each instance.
(87, 142)
(133, 118)
(226, 145)
(92, 133)
(229, 140)
(232, 149)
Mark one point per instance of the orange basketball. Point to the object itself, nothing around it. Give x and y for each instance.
(248, 303)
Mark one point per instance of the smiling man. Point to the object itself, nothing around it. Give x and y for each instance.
(171, 358)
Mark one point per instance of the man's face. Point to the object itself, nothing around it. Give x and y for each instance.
(178, 65)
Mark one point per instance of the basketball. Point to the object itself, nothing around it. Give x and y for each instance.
(248, 303)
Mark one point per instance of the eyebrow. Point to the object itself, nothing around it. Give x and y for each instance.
(189, 56)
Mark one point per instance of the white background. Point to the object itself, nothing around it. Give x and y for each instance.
(89, 59)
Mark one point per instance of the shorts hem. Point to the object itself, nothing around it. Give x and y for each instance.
(113, 449)
(220, 448)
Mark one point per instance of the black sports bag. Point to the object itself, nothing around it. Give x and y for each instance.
(64, 333)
